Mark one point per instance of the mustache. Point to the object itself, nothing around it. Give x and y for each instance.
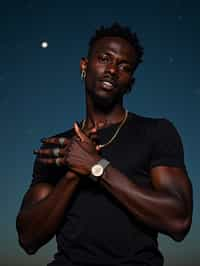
(109, 79)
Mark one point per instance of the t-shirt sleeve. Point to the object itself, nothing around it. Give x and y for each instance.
(167, 148)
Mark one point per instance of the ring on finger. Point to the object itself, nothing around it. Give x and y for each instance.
(56, 152)
(61, 141)
(58, 163)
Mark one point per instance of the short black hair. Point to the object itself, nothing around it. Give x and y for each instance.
(117, 30)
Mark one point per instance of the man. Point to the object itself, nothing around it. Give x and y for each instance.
(107, 187)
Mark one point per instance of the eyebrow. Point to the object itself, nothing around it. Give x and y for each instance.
(110, 54)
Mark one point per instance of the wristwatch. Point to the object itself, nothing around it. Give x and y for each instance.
(97, 169)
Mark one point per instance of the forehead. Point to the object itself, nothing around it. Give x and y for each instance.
(116, 46)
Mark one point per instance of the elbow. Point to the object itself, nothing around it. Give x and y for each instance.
(24, 241)
(27, 246)
(180, 229)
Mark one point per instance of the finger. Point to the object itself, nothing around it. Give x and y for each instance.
(92, 133)
(92, 130)
(102, 124)
(94, 138)
(56, 140)
(57, 161)
(83, 137)
(76, 138)
(56, 152)
(98, 147)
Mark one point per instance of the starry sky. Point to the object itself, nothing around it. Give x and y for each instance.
(41, 92)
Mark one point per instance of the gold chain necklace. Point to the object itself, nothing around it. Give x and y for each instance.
(100, 146)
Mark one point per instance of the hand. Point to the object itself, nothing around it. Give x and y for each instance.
(62, 154)
(81, 153)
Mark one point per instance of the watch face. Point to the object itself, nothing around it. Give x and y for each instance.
(97, 170)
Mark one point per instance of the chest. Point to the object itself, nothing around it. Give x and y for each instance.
(130, 152)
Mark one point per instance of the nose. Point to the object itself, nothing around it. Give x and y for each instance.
(111, 68)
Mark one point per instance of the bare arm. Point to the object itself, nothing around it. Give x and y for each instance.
(167, 207)
(44, 205)
(42, 212)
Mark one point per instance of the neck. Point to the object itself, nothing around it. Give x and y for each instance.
(102, 117)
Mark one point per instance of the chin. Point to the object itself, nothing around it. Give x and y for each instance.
(105, 102)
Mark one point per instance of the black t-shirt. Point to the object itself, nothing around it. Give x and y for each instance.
(97, 229)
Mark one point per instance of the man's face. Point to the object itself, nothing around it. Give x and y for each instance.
(109, 69)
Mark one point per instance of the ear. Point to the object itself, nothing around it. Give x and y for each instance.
(83, 64)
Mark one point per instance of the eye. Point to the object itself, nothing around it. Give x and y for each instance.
(125, 67)
(103, 58)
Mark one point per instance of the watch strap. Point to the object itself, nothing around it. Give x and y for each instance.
(103, 162)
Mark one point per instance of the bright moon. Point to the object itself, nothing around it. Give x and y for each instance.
(44, 44)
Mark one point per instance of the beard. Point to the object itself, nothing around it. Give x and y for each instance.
(105, 102)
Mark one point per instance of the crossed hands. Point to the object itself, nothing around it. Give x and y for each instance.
(79, 153)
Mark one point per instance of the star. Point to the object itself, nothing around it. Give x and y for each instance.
(197, 91)
(4, 101)
(171, 60)
(29, 5)
(44, 44)
(180, 18)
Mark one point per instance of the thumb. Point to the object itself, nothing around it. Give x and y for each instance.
(80, 133)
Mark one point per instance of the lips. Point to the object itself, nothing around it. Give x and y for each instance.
(107, 84)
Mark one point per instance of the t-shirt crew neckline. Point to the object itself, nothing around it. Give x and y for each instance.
(112, 125)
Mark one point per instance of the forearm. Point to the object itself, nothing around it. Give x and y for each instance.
(158, 209)
(38, 223)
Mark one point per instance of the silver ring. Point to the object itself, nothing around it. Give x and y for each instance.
(56, 152)
(58, 162)
(61, 141)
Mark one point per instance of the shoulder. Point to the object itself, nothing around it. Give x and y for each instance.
(157, 123)
(154, 129)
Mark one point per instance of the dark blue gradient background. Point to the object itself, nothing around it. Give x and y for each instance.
(41, 93)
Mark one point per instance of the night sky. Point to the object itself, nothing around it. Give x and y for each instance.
(41, 93)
